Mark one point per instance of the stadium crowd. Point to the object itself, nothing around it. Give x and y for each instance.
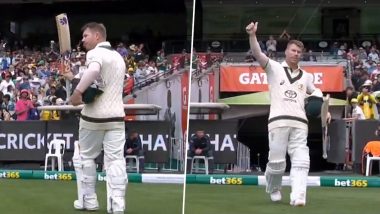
(31, 78)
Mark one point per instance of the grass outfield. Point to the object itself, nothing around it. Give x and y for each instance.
(40, 196)
(218, 199)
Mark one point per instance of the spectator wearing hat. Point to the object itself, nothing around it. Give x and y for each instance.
(357, 112)
(6, 82)
(23, 106)
(367, 101)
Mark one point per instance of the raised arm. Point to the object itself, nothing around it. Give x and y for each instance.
(254, 44)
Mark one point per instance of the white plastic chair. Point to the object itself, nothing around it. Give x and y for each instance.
(56, 150)
(130, 165)
(368, 167)
(196, 161)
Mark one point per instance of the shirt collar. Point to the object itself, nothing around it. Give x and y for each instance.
(284, 64)
(103, 44)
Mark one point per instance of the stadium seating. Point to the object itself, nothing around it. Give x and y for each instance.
(368, 167)
(195, 166)
(130, 165)
(56, 150)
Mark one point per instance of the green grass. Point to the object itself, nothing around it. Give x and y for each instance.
(40, 197)
(217, 199)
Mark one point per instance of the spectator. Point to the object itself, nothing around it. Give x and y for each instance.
(152, 68)
(350, 94)
(61, 89)
(342, 53)
(140, 74)
(373, 55)
(55, 114)
(6, 82)
(375, 72)
(24, 84)
(139, 53)
(8, 104)
(200, 145)
(51, 91)
(5, 115)
(334, 50)
(23, 106)
(46, 115)
(357, 112)
(310, 57)
(362, 54)
(133, 146)
(376, 83)
(122, 50)
(271, 47)
(129, 83)
(161, 61)
(370, 66)
(34, 113)
(367, 101)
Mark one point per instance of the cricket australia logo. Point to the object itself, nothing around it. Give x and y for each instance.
(63, 21)
(300, 87)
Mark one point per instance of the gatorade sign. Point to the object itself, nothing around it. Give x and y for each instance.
(253, 78)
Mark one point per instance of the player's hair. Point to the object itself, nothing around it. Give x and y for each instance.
(295, 42)
(97, 27)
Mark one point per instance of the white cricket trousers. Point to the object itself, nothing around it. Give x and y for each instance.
(92, 141)
(293, 141)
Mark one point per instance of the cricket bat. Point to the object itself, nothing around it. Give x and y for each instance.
(63, 33)
(324, 114)
(64, 46)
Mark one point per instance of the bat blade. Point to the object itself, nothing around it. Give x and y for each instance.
(64, 46)
(63, 33)
(324, 112)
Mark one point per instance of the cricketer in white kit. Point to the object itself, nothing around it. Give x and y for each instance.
(289, 86)
(101, 124)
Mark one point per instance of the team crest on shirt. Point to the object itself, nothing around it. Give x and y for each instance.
(300, 87)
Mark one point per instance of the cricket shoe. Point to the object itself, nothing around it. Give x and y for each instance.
(299, 202)
(89, 203)
(275, 196)
(117, 205)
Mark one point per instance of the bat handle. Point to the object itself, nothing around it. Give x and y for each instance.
(68, 89)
